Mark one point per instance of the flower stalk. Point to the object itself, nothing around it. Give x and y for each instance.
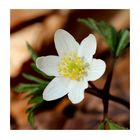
(106, 89)
(104, 93)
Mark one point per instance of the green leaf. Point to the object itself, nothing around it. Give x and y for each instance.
(31, 119)
(91, 24)
(114, 126)
(33, 78)
(40, 72)
(101, 126)
(109, 125)
(33, 108)
(36, 100)
(104, 29)
(124, 38)
(32, 52)
(109, 33)
(33, 92)
(26, 87)
(30, 109)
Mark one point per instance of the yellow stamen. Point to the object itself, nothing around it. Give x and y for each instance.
(72, 66)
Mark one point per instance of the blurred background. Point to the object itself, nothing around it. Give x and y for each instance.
(37, 27)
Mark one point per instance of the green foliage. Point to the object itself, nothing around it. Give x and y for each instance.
(123, 40)
(31, 111)
(40, 72)
(21, 88)
(114, 126)
(33, 78)
(31, 119)
(101, 126)
(105, 30)
(117, 41)
(36, 99)
(32, 52)
(33, 65)
(109, 125)
(33, 90)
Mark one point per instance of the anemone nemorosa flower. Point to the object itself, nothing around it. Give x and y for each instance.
(73, 68)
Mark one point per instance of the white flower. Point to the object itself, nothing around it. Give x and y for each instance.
(73, 68)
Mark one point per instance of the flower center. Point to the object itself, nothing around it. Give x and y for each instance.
(72, 66)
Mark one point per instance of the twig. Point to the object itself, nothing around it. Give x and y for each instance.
(111, 97)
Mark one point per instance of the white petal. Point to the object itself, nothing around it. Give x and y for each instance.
(48, 64)
(57, 88)
(88, 48)
(76, 94)
(96, 69)
(64, 42)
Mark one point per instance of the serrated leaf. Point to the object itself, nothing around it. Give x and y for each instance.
(34, 107)
(30, 109)
(31, 119)
(107, 31)
(33, 78)
(36, 100)
(32, 52)
(25, 87)
(114, 126)
(124, 38)
(33, 92)
(91, 23)
(40, 72)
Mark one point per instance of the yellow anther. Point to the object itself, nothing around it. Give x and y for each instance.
(72, 66)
